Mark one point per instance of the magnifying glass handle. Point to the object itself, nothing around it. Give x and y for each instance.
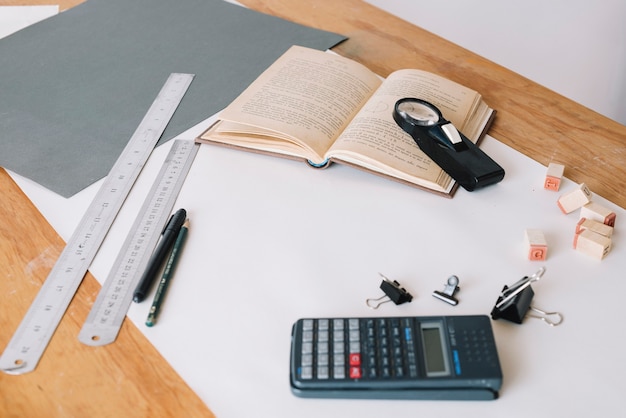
(463, 161)
(439, 139)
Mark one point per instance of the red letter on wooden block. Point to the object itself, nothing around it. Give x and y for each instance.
(575, 199)
(598, 213)
(595, 226)
(592, 244)
(553, 176)
(536, 244)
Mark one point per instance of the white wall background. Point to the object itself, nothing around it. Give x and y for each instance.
(574, 47)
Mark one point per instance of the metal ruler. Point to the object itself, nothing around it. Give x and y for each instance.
(109, 310)
(44, 315)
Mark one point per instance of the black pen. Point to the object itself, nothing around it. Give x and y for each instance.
(160, 254)
(168, 273)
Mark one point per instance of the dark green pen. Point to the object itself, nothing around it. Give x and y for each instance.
(168, 273)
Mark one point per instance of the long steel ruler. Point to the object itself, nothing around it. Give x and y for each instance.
(44, 315)
(111, 306)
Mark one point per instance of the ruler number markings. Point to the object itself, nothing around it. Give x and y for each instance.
(41, 320)
(109, 310)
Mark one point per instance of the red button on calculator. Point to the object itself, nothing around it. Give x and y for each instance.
(355, 359)
(355, 372)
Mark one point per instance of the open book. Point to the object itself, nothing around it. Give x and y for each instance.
(322, 107)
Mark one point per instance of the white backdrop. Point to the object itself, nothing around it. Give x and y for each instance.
(574, 47)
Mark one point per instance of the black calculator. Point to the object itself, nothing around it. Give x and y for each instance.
(430, 358)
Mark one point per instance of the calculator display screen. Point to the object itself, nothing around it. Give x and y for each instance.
(435, 352)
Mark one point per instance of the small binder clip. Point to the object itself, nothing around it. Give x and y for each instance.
(447, 295)
(393, 293)
(513, 303)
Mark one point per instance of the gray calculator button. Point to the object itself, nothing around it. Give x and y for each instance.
(338, 324)
(339, 360)
(307, 360)
(339, 372)
(307, 325)
(323, 360)
(307, 348)
(322, 324)
(307, 373)
(322, 372)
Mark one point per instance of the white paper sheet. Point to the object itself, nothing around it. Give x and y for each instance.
(273, 240)
(14, 18)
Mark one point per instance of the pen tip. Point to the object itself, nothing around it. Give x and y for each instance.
(186, 224)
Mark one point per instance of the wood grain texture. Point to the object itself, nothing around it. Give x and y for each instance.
(73, 379)
(130, 378)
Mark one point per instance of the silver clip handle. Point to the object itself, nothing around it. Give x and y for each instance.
(519, 286)
(544, 316)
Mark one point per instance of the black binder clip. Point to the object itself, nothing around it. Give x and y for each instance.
(514, 302)
(393, 293)
(447, 295)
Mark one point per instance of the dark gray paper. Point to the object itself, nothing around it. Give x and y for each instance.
(74, 87)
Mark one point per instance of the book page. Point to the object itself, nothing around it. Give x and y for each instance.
(306, 97)
(374, 140)
(455, 101)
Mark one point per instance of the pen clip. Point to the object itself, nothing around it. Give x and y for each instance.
(167, 224)
(175, 221)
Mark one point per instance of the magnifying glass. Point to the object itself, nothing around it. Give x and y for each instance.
(445, 145)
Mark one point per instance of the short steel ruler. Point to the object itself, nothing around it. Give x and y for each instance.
(44, 315)
(109, 310)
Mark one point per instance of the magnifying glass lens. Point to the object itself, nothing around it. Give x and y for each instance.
(419, 113)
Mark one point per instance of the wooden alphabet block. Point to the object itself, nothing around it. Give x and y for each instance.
(598, 213)
(536, 244)
(595, 226)
(575, 199)
(553, 176)
(592, 244)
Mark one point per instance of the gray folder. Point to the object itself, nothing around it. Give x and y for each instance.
(74, 88)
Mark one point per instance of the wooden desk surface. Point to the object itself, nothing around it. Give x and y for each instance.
(130, 376)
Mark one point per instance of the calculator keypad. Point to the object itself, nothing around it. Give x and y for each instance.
(372, 348)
